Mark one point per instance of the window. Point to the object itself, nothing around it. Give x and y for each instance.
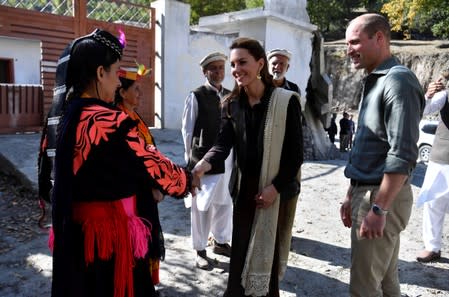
(430, 128)
(6, 71)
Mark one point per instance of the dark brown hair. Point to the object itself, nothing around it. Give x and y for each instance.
(89, 52)
(256, 50)
(125, 85)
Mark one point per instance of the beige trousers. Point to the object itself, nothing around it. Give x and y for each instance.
(374, 262)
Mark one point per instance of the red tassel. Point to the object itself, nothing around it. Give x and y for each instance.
(51, 239)
(113, 229)
(124, 261)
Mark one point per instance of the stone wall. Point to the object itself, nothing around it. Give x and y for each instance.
(425, 59)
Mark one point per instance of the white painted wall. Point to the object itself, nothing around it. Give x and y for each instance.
(254, 29)
(200, 45)
(291, 8)
(26, 54)
(181, 48)
(178, 70)
(172, 57)
(298, 42)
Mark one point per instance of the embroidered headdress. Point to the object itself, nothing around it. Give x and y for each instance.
(134, 73)
(108, 40)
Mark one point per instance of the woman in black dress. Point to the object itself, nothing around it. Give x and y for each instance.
(263, 125)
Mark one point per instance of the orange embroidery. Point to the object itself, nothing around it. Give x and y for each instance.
(169, 176)
(96, 122)
(142, 127)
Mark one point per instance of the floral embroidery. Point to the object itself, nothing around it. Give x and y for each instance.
(169, 176)
(96, 122)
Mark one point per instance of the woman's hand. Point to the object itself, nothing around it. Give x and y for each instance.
(266, 198)
(196, 183)
(197, 172)
(157, 195)
(201, 168)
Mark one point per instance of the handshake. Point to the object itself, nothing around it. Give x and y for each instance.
(197, 172)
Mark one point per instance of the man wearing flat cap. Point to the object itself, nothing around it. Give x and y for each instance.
(212, 206)
(279, 62)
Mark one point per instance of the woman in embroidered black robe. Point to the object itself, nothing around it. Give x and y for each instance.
(127, 98)
(100, 239)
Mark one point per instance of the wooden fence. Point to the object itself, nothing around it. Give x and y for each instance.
(20, 108)
(56, 31)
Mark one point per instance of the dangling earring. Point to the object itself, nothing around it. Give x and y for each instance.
(258, 76)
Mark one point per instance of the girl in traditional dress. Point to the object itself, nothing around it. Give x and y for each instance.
(100, 235)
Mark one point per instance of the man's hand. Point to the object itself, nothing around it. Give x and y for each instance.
(433, 88)
(266, 198)
(345, 213)
(372, 226)
(345, 209)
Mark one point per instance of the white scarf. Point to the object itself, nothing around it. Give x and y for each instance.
(260, 254)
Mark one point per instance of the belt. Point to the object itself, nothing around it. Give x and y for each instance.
(357, 183)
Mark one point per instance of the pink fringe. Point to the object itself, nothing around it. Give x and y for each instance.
(140, 234)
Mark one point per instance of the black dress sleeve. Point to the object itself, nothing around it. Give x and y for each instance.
(225, 140)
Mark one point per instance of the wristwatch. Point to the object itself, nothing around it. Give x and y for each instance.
(379, 210)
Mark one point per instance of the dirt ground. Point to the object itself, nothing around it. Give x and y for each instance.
(318, 263)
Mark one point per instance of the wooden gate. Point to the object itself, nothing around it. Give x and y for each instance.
(55, 32)
(20, 107)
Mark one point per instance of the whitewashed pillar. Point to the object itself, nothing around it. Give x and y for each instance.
(172, 34)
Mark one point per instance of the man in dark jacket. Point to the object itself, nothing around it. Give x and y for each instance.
(345, 130)
(332, 130)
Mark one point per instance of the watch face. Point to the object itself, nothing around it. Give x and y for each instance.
(378, 211)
